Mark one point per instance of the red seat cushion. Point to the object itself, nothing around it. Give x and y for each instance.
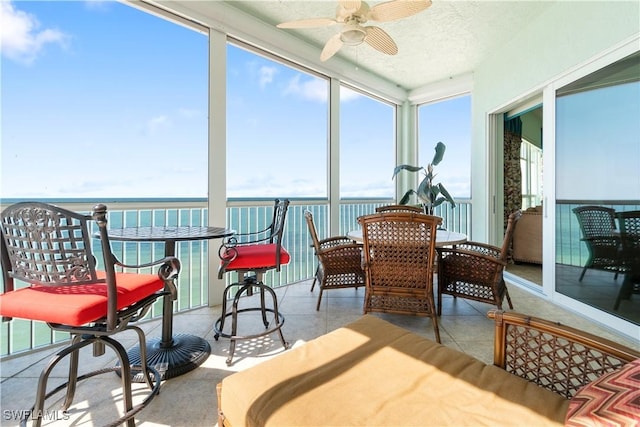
(76, 305)
(256, 257)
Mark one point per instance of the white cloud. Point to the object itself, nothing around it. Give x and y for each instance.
(158, 122)
(313, 90)
(266, 75)
(99, 5)
(21, 38)
(347, 94)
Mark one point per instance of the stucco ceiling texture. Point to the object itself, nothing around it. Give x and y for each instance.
(448, 39)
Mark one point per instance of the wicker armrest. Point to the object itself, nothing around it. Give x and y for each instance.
(481, 248)
(478, 253)
(335, 241)
(556, 357)
(343, 250)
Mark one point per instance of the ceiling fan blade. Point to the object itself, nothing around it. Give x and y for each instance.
(378, 39)
(396, 9)
(331, 47)
(308, 23)
(350, 6)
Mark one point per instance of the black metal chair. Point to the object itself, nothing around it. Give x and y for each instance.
(339, 261)
(49, 249)
(598, 227)
(251, 255)
(630, 254)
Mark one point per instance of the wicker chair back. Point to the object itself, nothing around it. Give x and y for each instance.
(598, 227)
(399, 208)
(339, 261)
(399, 254)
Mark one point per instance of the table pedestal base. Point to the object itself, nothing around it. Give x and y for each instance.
(185, 354)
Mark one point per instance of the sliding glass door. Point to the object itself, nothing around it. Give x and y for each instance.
(597, 177)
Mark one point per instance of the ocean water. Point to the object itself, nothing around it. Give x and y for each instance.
(193, 280)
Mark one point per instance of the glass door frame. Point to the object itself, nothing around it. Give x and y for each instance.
(495, 135)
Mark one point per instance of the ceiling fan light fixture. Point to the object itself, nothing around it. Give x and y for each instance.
(353, 36)
(353, 14)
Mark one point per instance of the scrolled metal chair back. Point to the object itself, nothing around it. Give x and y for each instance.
(279, 220)
(44, 244)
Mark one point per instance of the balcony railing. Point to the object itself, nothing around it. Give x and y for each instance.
(243, 215)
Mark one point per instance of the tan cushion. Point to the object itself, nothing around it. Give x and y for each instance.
(374, 373)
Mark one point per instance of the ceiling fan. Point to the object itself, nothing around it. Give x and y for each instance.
(352, 14)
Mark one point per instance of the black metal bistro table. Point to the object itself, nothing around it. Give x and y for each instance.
(171, 355)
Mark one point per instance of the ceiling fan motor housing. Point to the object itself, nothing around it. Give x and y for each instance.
(353, 35)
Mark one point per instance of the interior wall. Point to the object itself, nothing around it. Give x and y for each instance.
(532, 127)
(526, 63)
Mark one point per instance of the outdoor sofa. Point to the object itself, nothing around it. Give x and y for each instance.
(372, 373)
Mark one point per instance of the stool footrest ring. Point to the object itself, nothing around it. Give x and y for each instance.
(247, 287)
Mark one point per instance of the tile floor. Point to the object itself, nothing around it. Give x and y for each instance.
(190, 399)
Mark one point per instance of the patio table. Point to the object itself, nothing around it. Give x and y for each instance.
(171, 355)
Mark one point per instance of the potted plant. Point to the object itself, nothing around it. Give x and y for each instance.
(428, 194)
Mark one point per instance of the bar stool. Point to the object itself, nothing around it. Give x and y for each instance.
(50, 249)
(251, 255)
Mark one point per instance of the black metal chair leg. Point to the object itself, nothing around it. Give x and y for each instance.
(584, 270)
(233, 336)
(276, 316)
(263, 306)
(219, 328)
(124, 366)
(73, 374)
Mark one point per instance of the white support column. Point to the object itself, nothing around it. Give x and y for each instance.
(406, 146)
(217, 202)
(334, 157)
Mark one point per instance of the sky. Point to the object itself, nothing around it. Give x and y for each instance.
(101, 99)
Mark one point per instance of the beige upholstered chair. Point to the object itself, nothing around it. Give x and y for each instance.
(399, 254)
(527, 237)
(339, 261)
(474, 270)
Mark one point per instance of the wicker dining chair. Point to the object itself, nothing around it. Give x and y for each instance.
(599, 233)
(399, 208)
(399, 254)
(474, 270)
(629, 254)
(339, 261)
(49, 249)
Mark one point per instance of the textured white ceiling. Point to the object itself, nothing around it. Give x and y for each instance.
(448, 39)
